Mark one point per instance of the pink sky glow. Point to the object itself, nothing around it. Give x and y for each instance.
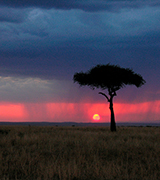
(78, 112)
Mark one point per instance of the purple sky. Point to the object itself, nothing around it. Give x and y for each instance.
(43, 43)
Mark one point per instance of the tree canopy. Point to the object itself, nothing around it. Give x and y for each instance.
(111, 77)
(108, 76)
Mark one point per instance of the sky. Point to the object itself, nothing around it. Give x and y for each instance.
(43, 43)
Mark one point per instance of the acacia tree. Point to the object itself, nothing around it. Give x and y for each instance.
(110, 77)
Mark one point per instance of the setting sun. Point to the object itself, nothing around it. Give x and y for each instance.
(96, 117)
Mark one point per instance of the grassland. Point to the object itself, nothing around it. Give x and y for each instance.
(79, 153)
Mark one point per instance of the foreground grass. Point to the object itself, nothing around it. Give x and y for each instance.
(79, 153)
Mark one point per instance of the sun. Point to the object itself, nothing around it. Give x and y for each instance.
(96, 117)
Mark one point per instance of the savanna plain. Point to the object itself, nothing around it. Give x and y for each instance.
(79, 153)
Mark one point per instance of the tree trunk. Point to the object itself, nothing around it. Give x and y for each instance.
(113, 124)
(110, 100)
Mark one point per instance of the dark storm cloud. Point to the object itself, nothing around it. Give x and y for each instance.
(12, 15)
(54, 28)
(87, 5)
(54, 43)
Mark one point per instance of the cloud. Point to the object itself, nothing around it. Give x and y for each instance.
(86, 5)
(46, 29)
(18, 90)
(44, 32)
(36, 90)
(55, 42)
(12, 15)
(14, 89)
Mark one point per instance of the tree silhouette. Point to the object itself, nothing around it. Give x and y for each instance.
(111, 77)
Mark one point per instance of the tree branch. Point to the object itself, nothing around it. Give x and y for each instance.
(114, 93)
(104, 96)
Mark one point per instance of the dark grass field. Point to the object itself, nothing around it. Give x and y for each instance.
(79, 153)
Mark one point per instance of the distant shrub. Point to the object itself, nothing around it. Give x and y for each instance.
(4, 131)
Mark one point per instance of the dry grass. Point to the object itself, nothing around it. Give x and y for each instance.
(79, 153)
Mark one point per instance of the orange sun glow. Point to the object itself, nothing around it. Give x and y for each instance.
(96, 117)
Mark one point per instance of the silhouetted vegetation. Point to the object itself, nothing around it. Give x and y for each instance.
(110, 77)
(4, 131)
